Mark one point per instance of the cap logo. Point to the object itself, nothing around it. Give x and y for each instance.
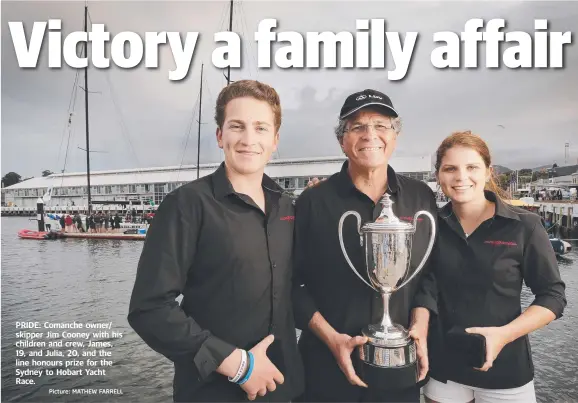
(362, 97)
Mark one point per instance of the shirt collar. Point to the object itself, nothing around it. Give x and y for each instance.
(502, 210)
(222, 186)
(346, 184)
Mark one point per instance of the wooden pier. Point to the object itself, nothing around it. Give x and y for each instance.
(561, 217)
(102, 235)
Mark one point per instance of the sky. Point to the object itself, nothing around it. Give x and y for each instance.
(139, 118)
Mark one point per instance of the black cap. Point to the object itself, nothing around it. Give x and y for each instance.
(364, 98)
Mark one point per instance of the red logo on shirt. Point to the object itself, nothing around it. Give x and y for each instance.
(288, 218)
(410, 219)
(496, 243)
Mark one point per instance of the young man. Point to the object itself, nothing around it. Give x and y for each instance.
(225, 242)
(331, 304)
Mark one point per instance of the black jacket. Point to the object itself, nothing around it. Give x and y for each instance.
(233, 265)
(476, 281)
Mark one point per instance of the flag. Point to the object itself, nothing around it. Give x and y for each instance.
(48, 195)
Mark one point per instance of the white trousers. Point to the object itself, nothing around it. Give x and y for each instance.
(453, 392)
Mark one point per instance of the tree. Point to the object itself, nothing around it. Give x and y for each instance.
(541, 174)
(47, 172)
(10, 179)
(503, 181)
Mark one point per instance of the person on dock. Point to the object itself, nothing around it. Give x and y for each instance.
(331, 304)
(225, 243)
(479, 348)
(78, 222)
(117, 220)
(106, 221)
(68, 223)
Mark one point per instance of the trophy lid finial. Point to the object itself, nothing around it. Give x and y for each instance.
(387, 220)
(387, 215)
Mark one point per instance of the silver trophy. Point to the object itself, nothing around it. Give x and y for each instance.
(388, 359)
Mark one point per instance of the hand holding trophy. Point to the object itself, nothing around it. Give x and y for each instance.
(389, 357)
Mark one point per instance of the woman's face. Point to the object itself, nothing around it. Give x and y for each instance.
(463, 174)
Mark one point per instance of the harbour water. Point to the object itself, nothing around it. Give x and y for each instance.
(83, 280)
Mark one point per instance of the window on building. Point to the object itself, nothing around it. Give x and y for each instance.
(302, 182)
(172, 186)
(160, 191)
(108, 190)
(132, 188)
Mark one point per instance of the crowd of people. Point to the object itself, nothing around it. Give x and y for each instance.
(98, 222)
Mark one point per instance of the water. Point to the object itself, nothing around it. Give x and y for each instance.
(91, 281)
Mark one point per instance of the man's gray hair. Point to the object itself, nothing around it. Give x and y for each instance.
(342, 124)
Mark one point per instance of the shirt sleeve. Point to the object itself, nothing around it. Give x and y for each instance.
(541, 274)
(162, 272)
(426, 295)
(304, 305)
(427, 290)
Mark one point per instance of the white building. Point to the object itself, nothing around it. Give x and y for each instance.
(69, 190)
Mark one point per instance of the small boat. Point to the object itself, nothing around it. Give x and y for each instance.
(560, 246)
(30, 234)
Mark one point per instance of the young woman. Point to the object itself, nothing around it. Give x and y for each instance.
(485, 249)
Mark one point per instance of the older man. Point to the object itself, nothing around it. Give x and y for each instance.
(331, 304)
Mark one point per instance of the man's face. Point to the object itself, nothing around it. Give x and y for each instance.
(369, 139)
(248, 136)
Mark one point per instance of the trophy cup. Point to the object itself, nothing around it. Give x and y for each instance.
(388, 360)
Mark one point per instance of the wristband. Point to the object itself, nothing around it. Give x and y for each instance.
(249, 370)
(241, 369)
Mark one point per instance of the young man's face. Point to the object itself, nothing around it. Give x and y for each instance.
(248, 136)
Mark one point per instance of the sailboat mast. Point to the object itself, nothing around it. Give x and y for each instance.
(230, 30)
(199, 120)
(86, 110)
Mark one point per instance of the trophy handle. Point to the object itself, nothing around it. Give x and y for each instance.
(429, 247)
(343, 217)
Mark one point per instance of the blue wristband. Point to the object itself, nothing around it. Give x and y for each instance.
(249, 369)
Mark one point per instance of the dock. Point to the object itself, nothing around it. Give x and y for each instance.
(561, 217)
(102, 235)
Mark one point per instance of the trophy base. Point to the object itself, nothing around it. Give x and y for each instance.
(389, 359)
(388, 378)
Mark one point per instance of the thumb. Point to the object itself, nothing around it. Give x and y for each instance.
(266, 342)
(357, 341)
(474, 330)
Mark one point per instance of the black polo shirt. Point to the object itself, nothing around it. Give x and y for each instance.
(233, 265)
(325, 282)
(478, 281)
